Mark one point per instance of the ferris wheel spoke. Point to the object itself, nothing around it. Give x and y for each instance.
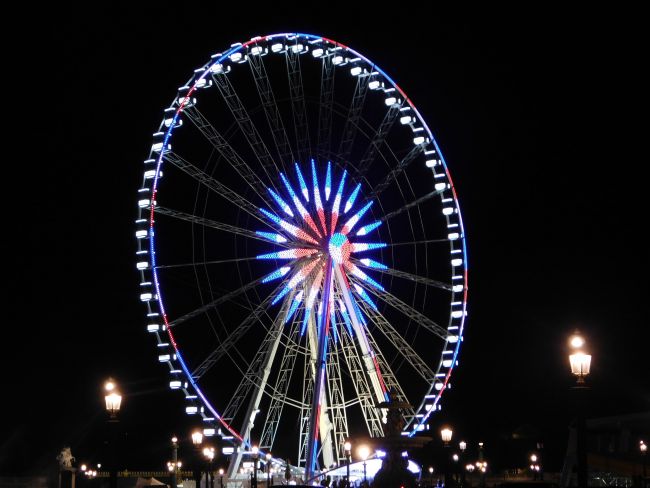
(214, 303)
(352, 120)
(271, 109)
(213, 224)
(227, 152)
(215, 185)
(201, 263)
(378, 140)
(325, 108)
(412, 204)
(408, 276)
(410, 312)
(401, 346)
(297, 94)
(234, 337)
(395, 172)
(246, 126)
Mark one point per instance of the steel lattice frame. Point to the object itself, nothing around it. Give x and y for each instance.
(336, 315)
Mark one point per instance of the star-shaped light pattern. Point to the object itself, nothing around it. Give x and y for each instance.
(321, 227)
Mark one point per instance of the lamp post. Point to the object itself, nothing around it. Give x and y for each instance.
(113, 401)
(364, 452)
(208, 452)
(430, 475)
(483, 465)
(446, 434)
(348, 457)
(174, 462)
(580, 365)
(268, 469)
(221, 477)
(462, 445)
(197, 439)
(643, 449)
(256, 455)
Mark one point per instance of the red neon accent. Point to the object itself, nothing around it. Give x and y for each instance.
(335, 218)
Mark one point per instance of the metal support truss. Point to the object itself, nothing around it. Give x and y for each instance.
(281, 388)
(339, 433)
(236, 334)
(271, 110)
(408, 276)
(309, 371)
(384, 128)
(404, 348)
(325, 107)
(352, 120)
(177, 214)
(396, 171)
(411, 313)
(227, 152)
(246, 126)
(255, 379)
(215, 185)
(215, 303)
(297, 93)
(390, 380)
(361, 387)
(412, 204)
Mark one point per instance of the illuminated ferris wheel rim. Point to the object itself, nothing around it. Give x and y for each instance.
(430, 402)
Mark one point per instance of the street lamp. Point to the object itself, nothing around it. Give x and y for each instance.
(430, 475)
(364, 452)
(446, 434)
(580, 363)
(348, 456)
(256, 455)
(221, 477)
(643, 449)
(208, 452)
(197, 439)
(113, 401)
(462, 445)
(268, 469)
(174, 462)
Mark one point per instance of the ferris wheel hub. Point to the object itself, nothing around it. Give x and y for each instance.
(339, 248)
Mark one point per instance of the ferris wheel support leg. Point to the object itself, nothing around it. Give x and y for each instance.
(262, 375)
(366, 349)
(321, 363)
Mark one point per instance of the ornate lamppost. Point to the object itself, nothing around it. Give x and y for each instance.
(113, 401)
(197, 439)
(268, 469)
(643, 449)
(208, 452)
(580, 363)
(256, 455)
(446, 434)
(348, 457)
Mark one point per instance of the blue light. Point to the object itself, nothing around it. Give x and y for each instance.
(368, 228)
(366, 298)
(288, 186)
(303, 185)
(278, 273)
(271, 216)
(305, 320)
(328, 181)
(283, 205)
(279, 296)
(294, 306)
(346, 319)
(353, 197)
(333, 323)
(372, 264)
(367, 246)
(354, 219)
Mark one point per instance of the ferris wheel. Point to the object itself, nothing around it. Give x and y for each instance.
(301, 250)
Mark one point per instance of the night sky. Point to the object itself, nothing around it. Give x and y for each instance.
(540, 121)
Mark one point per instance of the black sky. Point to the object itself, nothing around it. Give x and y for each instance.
(540, 119)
